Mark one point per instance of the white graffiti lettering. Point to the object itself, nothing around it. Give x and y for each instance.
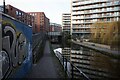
(13, 48)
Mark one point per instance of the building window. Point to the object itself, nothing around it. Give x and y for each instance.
(116, 8)
(20, 13)
(17, 13)
(108, 19)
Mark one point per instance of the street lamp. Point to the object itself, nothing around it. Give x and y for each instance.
(4, 6)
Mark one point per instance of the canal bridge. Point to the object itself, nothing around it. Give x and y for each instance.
(55, 37)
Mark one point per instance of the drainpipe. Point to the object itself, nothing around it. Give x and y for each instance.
(4, 6)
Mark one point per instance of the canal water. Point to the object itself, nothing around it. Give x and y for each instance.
(93, 64)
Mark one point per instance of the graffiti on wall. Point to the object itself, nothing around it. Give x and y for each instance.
(14, 47)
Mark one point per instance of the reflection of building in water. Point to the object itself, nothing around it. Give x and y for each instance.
(66, 52)
(94, 64)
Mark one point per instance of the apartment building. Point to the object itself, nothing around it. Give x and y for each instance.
(66, 22)
(84, 13)
(41, 22)
(20, 15)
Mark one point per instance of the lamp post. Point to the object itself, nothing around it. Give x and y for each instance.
(4, 6)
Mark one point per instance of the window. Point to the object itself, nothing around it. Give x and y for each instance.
(108, 9)
(108, 3)
(116, 8)
(102, 19)
(20, 13)
(108, 19)
(116, 13)
(17, 13)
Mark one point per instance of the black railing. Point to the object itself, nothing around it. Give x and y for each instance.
(71, 70)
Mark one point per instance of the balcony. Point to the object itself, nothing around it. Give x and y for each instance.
(76, 13)
(81, 31)
(79, 17)
(78, 8)
(80, 3)
(84, 27)
(104, 11)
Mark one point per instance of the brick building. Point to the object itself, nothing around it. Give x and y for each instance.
(55, 27)
(38, 20)
(41, 22)
(20, 15)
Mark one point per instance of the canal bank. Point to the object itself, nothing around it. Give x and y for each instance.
(99, 48)
(93, 63)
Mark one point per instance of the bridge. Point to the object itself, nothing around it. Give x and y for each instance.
(55, 33)
(55, 37)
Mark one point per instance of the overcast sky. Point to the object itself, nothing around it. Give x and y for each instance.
(52, 8)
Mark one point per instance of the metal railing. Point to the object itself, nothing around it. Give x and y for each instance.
(71, 69)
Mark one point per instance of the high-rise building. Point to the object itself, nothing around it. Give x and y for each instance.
(41, 22)
(84, 13)
(66, 22)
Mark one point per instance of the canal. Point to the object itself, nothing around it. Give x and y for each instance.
(88, 63)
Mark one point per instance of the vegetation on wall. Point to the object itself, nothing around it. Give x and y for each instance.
(66, 39)
(107, 33)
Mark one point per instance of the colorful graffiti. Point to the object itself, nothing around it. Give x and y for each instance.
(16, 41)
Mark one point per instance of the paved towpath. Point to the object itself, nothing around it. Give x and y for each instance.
(47, 67)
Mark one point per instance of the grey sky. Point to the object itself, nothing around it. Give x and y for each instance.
(52, 8)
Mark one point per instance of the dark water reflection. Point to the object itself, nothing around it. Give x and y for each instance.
(94, 64)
